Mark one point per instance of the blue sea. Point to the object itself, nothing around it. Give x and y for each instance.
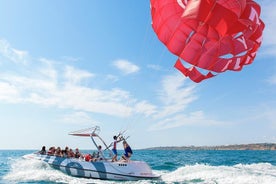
(186, 167)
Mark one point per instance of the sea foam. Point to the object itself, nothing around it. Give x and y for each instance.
(261, 173)
(36, 171)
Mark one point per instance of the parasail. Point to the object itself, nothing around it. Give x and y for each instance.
(211, 36)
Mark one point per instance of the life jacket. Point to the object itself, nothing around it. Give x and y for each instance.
(87, 157)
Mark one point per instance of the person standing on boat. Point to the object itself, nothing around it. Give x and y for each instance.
(114, 149)
(128, 152)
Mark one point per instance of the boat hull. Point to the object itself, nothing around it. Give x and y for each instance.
(107, 170)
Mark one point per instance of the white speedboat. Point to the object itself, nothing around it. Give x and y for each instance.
(103, 168)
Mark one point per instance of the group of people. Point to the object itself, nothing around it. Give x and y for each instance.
(69, 153)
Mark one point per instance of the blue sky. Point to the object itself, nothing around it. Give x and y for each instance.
(68, 65)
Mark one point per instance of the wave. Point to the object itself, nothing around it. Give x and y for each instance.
(22, 170)
(36, 171)
(260, 173)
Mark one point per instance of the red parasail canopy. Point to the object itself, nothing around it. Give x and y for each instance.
(211, 35)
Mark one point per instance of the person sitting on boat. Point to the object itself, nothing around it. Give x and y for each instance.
(78, 153)
(42, 151)
(128, 152)
(65, 152)
(88, 157)
(71, 153)
(51, 150)
(99, 155)
(58, 152)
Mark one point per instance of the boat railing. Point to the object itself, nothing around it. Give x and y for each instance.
(93, 133)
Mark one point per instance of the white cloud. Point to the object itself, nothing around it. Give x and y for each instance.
(8, 92)
(54, 84)
(155, 67)
(51, 83)
(176, 94)
(111, 102)
(268, 15)
(79, 118)
(268, 48)
(146, 108)
(75, 76)
(48, 71)
(14, 55)
(22, 89)
(196, 118)
(125, 66)
(112, 78)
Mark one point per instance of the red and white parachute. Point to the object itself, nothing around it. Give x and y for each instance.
(213, 35)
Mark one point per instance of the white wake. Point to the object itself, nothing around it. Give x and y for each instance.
(23, 170)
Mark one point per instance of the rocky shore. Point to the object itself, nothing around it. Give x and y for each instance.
(255, 146)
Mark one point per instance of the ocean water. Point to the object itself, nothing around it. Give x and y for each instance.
(185, 167)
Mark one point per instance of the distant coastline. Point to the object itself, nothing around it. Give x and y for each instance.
(254, 146)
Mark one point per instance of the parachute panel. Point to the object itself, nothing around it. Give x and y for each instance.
(214, 35)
